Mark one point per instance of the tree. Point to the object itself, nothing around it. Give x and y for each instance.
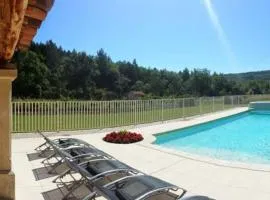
(185, 74)
(48, 71)
(33, 76)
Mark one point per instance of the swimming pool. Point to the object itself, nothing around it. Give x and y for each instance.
(243, 137)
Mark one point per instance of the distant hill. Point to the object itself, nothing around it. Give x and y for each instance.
(259, 75)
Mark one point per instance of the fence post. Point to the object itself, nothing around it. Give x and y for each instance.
(162, 110)
(57, 116)
(151, 109)
(183, 108)
(135, 111)
(174, 109)
(100, 116)
(223, 102)
(213, 104)
(200, 102)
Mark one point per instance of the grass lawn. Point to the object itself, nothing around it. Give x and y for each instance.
(77, 120)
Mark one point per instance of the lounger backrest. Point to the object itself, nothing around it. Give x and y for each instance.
(149, 186)
(92, 172)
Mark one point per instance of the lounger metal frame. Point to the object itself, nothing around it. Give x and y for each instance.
(61, 155)
(87, 178)
(148, 194)
(47, 145)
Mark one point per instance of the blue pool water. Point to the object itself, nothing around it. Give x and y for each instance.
(244, 137)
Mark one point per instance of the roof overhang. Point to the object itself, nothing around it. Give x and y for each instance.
(19, 21)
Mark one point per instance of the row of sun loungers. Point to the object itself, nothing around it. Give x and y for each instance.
(101, 173)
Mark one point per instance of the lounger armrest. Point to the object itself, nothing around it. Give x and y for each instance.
(84, 155)
(108, 173)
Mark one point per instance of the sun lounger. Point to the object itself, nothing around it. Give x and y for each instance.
(62, 143)
(129, 185)
(102, 174)
(96, 171)
(78, 154)
(138, 187)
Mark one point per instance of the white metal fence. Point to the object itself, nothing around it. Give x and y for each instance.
(30, 116)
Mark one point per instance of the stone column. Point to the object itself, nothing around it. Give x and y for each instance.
(7, 178)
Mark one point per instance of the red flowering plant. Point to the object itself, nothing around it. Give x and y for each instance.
(123, 137)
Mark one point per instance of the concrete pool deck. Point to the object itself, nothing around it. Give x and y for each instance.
(195, 174)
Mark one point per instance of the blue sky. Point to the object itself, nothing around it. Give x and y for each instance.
(221, 35)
